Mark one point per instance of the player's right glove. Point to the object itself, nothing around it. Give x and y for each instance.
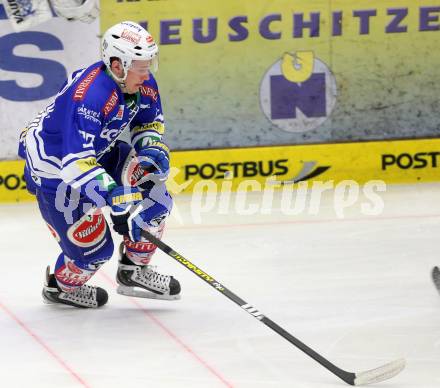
(133, 211)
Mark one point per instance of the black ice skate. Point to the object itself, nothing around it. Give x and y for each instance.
(144, 281)
(85, 296)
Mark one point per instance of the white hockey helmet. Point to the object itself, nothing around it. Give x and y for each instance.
(128, 41)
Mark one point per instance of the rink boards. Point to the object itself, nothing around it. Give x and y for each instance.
(260, 168)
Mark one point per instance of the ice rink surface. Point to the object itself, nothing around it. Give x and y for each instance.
(356, 289)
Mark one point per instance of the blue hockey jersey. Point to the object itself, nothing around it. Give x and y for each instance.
(66, 140)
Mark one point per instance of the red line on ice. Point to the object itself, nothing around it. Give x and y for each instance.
(60, 361)
(172, 335)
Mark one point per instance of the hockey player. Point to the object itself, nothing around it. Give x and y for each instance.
(76, 164)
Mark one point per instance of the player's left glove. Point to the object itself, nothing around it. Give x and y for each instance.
(155, 158)
(133, 211)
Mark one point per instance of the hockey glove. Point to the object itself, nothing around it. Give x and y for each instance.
(155, 159)
(133, 211)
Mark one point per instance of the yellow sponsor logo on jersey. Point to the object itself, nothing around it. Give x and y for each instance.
(125, 198)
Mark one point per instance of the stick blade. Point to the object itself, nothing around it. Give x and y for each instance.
(382, 373)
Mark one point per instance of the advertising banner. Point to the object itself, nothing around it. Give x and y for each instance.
(272, 168)
(263, 168)
(33, 66)
(257, 72)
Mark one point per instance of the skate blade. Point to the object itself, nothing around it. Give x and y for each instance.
(141, 293)
(46, 300)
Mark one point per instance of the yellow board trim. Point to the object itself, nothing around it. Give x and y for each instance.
(12, 184)
(400, 161)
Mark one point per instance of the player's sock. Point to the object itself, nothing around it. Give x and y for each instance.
(84, 296)
(144, 281)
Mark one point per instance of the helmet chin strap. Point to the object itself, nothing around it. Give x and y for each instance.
(120, 81)
(123, 87)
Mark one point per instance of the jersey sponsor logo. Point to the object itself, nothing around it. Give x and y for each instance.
(110, 134)
(110, 103)
(83, 86)
(131, 36)
(89, 230)
(125, 198)
(147, 91)
(89, 114)
(405, 161)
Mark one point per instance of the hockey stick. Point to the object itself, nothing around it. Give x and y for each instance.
(381, 373)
